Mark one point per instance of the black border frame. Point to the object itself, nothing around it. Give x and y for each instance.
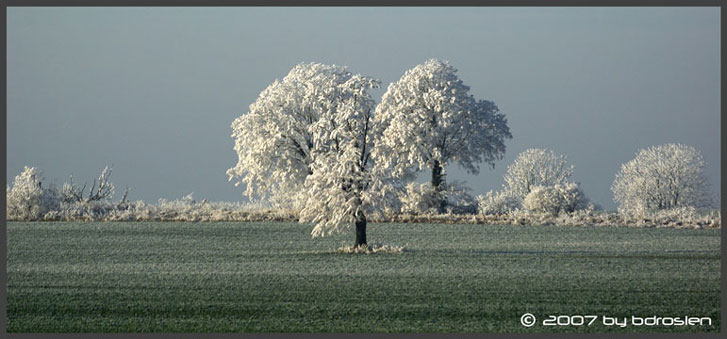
(439, 3)
(407, 3)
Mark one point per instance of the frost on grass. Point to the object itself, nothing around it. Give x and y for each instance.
(372, 249)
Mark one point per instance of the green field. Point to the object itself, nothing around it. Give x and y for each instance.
(272, 277)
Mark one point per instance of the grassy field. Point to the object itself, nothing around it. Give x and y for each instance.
(272, 277)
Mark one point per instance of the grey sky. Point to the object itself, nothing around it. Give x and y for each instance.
(153, 90)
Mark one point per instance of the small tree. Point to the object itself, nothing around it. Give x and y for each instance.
(28, 199)
(101, 189)
(662, 177)
(428, 119)
(536, 167)
(307, 142)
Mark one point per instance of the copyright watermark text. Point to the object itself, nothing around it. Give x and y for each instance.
(529, 320)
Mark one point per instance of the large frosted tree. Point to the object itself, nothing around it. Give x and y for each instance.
(662, 177)
(306, 143)
(428, 119)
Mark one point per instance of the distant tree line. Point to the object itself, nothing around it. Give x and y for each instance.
(316, 143)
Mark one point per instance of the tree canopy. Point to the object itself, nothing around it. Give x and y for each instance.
(428, 119)
(307, 141)
(662, 177)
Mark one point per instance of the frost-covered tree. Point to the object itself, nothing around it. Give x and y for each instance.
(27, 199)
(428, 120)
(274, 141)
(306, 142)
(536, 167)
(101, 189)
(662, 177)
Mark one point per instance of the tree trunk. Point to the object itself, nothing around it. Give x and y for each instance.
(360, 230)
(438, 185)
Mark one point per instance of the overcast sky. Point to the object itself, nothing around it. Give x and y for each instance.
(153, 90)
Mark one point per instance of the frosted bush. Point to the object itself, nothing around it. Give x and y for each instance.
(498, 202)
(543, 199)
(425, 199)
(420, 199)
(555, 199)
(673, 217)
(683, 214)
(582, 217)
(536, 167)
(86, 211)
(69, 192)
(459, 200)
(27, 199)
(101, 189)
(372, 249)
(573, 198)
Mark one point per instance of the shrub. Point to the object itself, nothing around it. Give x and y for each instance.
(372, 249)
(555, 199)
(459, 200)
(501, 202)
(424, 199)
(420, 199)
(28, 199)
(536, 167)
